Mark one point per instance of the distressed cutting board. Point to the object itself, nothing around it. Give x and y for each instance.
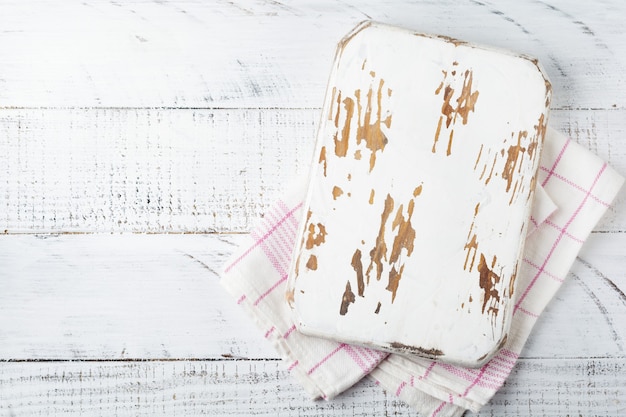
(419, 198)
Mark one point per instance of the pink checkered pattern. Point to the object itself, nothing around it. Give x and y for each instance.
(580, 188)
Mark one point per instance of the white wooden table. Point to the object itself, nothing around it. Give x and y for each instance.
(139, 141)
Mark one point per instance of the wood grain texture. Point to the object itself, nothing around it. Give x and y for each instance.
(187, 170)
(273, 54)
(117, 297)
(140, 170)
(251, 388)
(158, 297)
(187, 117)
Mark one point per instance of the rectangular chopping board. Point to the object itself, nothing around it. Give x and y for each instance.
(419, 195)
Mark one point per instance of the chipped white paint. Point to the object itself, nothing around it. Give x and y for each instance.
(226, 97)
(418, 205)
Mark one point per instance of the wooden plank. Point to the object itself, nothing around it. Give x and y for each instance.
(158, 297)
(166, 170)
(246, 388)
(146, 170)
(271, 54)
(119, 296)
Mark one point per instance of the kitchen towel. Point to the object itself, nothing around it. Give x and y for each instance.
(575, 189)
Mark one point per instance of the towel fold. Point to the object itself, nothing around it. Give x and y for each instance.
(574, 190)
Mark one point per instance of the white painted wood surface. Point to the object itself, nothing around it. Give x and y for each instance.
(120, 122)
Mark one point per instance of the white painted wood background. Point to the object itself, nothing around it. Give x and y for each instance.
(139, 140)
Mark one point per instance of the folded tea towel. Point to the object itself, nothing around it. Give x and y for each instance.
(574, 190)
